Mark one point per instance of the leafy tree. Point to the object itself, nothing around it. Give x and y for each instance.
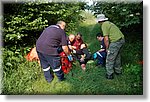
(128, 16)
(24, 22)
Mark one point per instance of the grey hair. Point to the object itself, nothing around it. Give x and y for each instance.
(60, 22)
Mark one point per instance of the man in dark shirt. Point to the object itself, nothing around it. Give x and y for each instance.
(47, 46)
(101, 54)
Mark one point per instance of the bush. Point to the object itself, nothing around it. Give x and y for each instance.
(125, 15)
(24, 24)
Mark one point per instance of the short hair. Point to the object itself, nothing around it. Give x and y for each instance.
(79, 34)
(71, 36)
(60, 22)
(99, 35)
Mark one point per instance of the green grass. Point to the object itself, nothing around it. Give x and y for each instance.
(28, 78)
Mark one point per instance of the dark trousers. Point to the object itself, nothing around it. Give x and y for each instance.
(82, 52)
(101, 57)
(51, 62)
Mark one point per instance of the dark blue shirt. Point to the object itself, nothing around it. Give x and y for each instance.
(51, 38)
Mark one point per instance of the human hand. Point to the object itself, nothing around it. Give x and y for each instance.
(82, 58)
(74, 51)
(101, 50)
(70, 58)
(73, 47)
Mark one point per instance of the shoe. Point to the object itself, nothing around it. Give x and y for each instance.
(49, 81)
(109, 76)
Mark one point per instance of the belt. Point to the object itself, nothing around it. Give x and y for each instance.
(120, 39)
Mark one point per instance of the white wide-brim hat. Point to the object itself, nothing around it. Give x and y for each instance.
(101, 17)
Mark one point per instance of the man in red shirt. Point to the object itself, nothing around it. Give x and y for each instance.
(80, 50)
(78, 41)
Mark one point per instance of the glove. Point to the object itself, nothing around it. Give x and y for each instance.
(70, 58)
(95, 55)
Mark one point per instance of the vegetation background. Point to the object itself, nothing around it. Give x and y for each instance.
(23, 24)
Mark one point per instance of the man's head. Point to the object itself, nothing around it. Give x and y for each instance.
(99, 36)
(101, 18)
(78, 36)
(71, 37)
(62, 24)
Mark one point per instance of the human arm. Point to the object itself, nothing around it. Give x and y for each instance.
(106, 42)
(101, 50)
(65, 47)
(72, 47)
(67, 52)
(106, 31)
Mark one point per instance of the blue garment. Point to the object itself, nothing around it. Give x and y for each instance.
(51, 39)
(101, 56)
(51, 62)
(102, 45)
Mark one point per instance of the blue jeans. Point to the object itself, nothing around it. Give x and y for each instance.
(51, 62)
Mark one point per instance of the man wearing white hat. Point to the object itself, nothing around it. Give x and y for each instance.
(113, 39)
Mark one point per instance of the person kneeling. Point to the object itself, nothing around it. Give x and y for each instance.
(100, 55)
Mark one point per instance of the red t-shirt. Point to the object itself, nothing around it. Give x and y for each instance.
(77, 43)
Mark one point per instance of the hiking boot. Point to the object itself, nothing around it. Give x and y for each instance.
(109, 76)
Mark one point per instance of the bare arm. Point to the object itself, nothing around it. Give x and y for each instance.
(101, 50)
(72, 47)
(66, 50)
(106, 41)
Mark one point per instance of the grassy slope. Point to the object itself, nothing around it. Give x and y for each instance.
(92, 81)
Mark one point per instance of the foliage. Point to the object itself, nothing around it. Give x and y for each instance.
(10, 60)
(22, 77)
(127, 16)
(25, 22)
